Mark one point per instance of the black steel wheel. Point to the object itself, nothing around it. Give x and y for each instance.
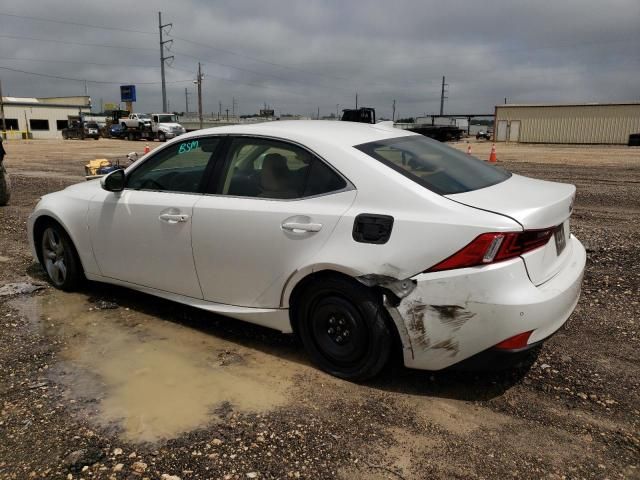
(59, 258)
(162, 137)
(342, 325)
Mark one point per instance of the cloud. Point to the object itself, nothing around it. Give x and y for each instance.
(298, 56)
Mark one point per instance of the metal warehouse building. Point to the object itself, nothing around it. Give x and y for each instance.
(602, 123)
(40, 117)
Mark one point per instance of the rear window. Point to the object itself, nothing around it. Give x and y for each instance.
(434, 165)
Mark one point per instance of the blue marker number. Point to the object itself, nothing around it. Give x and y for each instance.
(188, 146)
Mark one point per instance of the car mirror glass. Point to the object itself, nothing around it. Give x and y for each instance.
(114, 181)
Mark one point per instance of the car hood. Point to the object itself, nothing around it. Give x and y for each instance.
(532, 203)
(170, 125)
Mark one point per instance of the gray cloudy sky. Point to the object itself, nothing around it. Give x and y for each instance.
(300, 55)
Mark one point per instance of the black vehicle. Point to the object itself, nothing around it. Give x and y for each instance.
(81, 130)
(361, 115)
(486, 134)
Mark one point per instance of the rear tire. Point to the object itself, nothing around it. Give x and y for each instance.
(342, 326)
(59, 258)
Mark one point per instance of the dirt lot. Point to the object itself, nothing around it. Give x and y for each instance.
(108, 383)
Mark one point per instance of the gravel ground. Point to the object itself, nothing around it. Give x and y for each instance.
(574, 412)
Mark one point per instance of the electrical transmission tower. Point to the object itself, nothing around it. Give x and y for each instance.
(442, 96)
(163, 59)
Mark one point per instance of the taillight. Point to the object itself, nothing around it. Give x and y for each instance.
(495, 247)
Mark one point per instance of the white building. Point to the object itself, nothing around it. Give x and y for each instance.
(40, 117)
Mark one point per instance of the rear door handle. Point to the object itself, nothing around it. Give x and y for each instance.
(296, 227)
(174, 218)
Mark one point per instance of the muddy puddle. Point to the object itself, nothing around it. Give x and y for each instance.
(150, 378)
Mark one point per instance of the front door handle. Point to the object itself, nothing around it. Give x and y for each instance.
(297, 227)
(174, 218)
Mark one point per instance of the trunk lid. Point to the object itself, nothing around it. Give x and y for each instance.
(534, 204)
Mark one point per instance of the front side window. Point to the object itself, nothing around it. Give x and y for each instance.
(178, 168)
(434, 165)
(265, 168)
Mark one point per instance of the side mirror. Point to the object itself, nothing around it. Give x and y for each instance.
(114, 181)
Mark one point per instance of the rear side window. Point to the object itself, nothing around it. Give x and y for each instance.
(264, 168)
(434, 165)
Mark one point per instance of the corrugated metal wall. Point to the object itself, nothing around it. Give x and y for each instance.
(605, 124)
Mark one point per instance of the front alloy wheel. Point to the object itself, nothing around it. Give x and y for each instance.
(59, 258)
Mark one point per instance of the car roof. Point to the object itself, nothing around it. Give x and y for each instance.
(338, 133)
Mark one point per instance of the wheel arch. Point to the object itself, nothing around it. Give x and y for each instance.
(301, 279)
(40, 223)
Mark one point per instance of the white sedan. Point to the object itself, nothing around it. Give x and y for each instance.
(353, 236)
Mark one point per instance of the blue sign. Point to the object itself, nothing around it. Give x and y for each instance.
(127, 93)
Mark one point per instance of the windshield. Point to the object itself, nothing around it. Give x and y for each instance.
(167, 119)
(143, 115)
(434, 165)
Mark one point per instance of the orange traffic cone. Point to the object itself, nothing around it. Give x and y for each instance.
(147, 149)
(469, 150)
(492, 156)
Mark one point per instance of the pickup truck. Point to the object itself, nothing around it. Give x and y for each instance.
(136, 120)
(81, 130)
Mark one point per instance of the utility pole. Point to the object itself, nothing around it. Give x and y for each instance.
(199, 83)
(338, 111)
(163, 59)
(4, 123)
(234, 104)
(356, 100)
(442, 97)
(227, 110)
(219, 110)
(318, 117)
(186, 100)
(393, 116)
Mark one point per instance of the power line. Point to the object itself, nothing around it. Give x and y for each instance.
(85, 80)
(77, 24)
(80, 63)
(209, 61)
(255, 59)
(83, 44)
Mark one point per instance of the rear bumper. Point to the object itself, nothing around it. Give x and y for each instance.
(498, 359)
(454, 315)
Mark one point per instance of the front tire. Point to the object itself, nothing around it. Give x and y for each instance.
(59, 258)
(162, 137)
(342, 326)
